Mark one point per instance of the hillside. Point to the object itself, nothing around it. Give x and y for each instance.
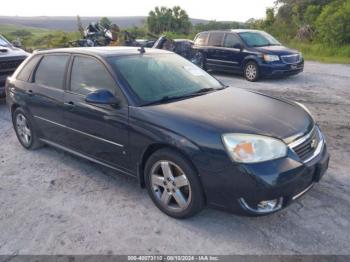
(68, 23)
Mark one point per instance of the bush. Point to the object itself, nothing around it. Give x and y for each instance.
(333, 25)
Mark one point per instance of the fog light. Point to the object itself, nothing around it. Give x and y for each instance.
(263, 207)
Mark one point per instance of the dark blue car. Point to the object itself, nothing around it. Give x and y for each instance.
(153, 115)
(252, 53)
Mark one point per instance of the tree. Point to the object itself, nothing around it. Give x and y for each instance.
(163, 19)
(80, 26)
(22, 33)
(333, 24)
(105, 22)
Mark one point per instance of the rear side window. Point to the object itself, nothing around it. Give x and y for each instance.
(89, 75)
(231, 40)
(215, 39)
(201, 39)
(51, 71)
(28, 69)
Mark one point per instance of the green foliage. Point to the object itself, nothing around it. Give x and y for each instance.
(214, 25)
(163, 19)
(105, 22)
(80, 26)
(333, 25)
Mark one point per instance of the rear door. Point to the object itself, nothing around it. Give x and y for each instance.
(98, 131)
(214, 56)
(45, 96)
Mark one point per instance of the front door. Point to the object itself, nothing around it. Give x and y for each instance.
(98, 131)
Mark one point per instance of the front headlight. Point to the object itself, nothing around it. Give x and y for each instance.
(271, 58)
(246, 148)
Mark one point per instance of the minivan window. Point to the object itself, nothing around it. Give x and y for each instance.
(51, 71)
(231, 40)
(89, 75)
(256, 39)
(26, 71)
(201, 39)
(215, 39)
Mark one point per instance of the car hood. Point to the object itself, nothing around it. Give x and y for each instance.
(231, 110)
(276, 50)
(9, 51)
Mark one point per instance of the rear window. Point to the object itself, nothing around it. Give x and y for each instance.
(201, 39)
(28, 69)
(215, 39)
(51, 71)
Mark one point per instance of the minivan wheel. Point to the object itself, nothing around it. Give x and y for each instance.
(24, 130)
(251, 71)
(173, 184)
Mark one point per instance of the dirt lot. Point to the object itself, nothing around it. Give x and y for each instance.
(53, 203)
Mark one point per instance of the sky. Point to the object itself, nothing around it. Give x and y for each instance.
(221, 10)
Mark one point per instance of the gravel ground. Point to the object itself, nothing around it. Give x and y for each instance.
(54, 203)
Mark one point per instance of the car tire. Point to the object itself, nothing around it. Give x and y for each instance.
(25, 130)
(251, 71)
(173, 184)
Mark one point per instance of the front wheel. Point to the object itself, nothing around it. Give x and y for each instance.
(251, 71)
(173, 184)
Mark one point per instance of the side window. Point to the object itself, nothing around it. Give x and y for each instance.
(215, 39)
(201, 39)
(51, 71)
(231, 40)
(27, 70)
(89, 75)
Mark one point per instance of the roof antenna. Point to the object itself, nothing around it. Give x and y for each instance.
(142, 50)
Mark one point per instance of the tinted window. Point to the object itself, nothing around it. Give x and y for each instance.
(231, 40)
(201, 39)
(215, 39)
(28, 69)
(89, 75)
(51, 71)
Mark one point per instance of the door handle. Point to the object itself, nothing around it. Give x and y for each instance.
(69, 104)
(30, 92)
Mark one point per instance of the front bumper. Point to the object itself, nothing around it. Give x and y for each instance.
(280, 69)
(283, 180)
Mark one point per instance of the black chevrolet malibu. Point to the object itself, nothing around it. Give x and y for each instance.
(186, 137)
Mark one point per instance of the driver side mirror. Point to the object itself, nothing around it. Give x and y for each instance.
(102, 97)
(238, 46)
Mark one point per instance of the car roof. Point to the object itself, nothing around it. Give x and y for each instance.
(232, 30)
(105, 51)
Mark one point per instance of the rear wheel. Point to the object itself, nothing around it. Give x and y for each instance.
(251, 71)
(24, 130)
(173, 184)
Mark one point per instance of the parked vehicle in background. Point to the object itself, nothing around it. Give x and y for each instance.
(181, 47)
(252, 53)
(10, 58)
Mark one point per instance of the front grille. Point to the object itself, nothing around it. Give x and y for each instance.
(291, 59)
(305, 147)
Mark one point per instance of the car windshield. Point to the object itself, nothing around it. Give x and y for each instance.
(3, 41)
(162, 77)
(256, 39)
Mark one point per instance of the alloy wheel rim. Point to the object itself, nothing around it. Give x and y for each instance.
(251, 72)
(170, 186)
(23, 129)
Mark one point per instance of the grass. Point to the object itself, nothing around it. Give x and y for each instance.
(323, 53)
(7, 29)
